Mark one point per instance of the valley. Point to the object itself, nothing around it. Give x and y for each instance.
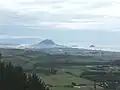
(58, 71)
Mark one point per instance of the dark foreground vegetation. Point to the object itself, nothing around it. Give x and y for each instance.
(14, 78)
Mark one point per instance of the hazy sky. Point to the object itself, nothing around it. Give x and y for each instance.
(64, 21)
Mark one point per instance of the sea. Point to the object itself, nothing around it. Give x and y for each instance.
(113, 48)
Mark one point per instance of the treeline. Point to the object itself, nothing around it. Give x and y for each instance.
(14, 78)
(107, 80)
(58, 64)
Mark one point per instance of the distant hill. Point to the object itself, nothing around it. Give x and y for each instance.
(47, 44)
(91, 46)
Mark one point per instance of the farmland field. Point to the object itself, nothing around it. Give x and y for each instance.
(69, 67)
(62, 79)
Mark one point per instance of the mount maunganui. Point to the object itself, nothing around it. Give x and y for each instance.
(43, 44)
(46, 44)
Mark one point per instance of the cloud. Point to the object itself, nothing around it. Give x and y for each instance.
(23, 39)
(61, 14)
(18, 37)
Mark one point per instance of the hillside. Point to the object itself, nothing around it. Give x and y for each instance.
(57, 70)
(29, 58)
(46, 44)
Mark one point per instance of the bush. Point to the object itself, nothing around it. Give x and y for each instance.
(74, 84)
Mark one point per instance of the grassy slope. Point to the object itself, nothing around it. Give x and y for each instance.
(22, 57)
(28, 59)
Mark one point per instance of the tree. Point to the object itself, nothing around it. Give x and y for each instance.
(0, 55)
(14, 78)
(107, 80)
(73, 84)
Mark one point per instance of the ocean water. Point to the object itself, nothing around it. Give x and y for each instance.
(114, 48)
(105, 48)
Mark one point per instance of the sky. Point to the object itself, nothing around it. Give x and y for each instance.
(64, 21)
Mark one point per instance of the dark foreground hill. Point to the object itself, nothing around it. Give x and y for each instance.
(14, 78)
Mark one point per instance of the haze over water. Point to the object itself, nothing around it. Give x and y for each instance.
(64, 21)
